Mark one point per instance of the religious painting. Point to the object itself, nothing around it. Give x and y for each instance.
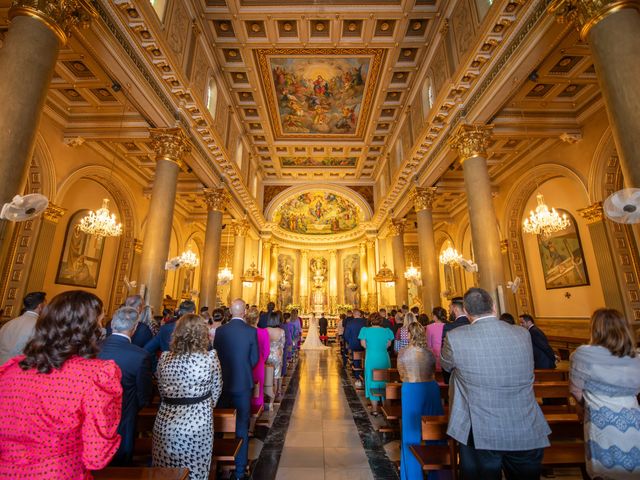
(285, 280)
(316, 92)
(563, 263)
(351, 279)
(317, 213)
(81, 257)
(318, 161)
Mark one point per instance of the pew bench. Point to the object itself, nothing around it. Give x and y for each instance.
(141, 473)
(436, 457)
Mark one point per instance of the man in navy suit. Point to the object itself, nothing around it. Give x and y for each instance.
(264, 316)
(543, 354)
(351, 332)
(162, 340)
(457, 318)
(135, 364)
(237, 346)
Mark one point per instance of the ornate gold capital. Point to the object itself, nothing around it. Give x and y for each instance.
(215, 198)
(471, 141)
(584, 14)
(53, 213)
(593, 213)
(240, 227)
(396, 228)
(137, 246)
(423, 198)
(170, 144)
(59, 16)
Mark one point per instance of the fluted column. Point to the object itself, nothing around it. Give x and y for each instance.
(240, 229)
(170, 145)
(612, 29)
(266, 263)
(304, 280)
(399, 265)
(333, 280)
(423, 203)
(372, 303)
(273, 274)
(364, 277)
(28, 56)
(48, 225)
(470, 142)
(215, 199)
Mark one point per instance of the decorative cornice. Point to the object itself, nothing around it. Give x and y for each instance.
(504, 246)
(585, 14)
(423, 198)
(593, 213)
(471, 141)
(59, 16)
(170, 144)
(137, 245)
(53, 213)
(240, 228)
(215, 199)
(396, 227)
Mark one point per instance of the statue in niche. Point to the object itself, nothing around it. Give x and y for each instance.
(351, 268)
(318, 268)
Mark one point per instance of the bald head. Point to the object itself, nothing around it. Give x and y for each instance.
(238, 308)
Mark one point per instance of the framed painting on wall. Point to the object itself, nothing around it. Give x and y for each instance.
(562, 258)
(81, 256)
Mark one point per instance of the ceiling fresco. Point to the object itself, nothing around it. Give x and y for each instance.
(317, 162)
(319, 93)
(318, 213)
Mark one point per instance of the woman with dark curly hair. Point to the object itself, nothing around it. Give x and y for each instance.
(190, 383)
(59, 405)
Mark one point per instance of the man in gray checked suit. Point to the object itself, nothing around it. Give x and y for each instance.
(494, 415)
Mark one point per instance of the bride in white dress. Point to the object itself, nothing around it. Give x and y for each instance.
(312, 342)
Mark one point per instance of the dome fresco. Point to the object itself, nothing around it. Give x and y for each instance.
(318, 213)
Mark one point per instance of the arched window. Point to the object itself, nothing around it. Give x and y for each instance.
(159, 7)
(239, 151)
(212, 96)
(427, 96)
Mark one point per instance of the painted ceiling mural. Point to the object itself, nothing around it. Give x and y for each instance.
(318, 213)
(319, 93)
(318, 161)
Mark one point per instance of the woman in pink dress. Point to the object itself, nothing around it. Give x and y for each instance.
(434, 333)
(59, 405)
(264, 347)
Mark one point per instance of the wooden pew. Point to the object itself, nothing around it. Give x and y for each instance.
(436, 457)
(141, 473)
(550, 375)
(225, 449)
(558, 391)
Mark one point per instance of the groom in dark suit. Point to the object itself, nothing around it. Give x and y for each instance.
(135, 364)
(237, 346)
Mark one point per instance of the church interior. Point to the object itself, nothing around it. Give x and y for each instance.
(325, 156)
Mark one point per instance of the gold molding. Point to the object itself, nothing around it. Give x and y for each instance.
(240, 228)
(471, 141)
(504, 246)
(396, 228)
(423, 198)
(585, 14)
(593, 213)
(53, 213)
(58, 16)
(215, 199)
(170, 144)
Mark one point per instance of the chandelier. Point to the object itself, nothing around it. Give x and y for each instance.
(543, 221)
(251, 275)
(224, 276)
(450, 257)
(101, 223)
(188, 259)
(413, 275)
(385, 275)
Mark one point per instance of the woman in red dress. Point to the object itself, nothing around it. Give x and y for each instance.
(59, 405)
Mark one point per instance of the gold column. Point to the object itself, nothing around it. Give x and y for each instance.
(372, 304)
(273, 274)
(240, 229)
(27, 59)
(396, 230)
(612, 29)
(215, 199)
(423, 202)
(48, 225)
(170, 144)
(470, 141)
(333, 280)
(364, 277)
(304, 280)
(266, 262)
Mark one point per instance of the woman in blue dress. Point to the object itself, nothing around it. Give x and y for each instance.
(375, 340)
(420, 396)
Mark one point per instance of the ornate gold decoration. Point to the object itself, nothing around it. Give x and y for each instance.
(593, 213)
(587, 13)
(423, 198)
(504, 246)
(215, 198)
(396, 228)
(137, 245)
(240, 227)
(60, 16)
(471, 140)
(170, 144)
(53, 213)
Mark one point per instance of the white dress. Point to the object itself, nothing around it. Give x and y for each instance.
(312, 342)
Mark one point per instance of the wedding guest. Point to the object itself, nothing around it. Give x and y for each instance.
(288, 342)
(264, 347)
(605, 379)
(375, 339)
(276, 355)
(434, 333)
(59, 405)
(190, 383)
(420, 396)
(15, 334)
(402, 335)
(143, 333)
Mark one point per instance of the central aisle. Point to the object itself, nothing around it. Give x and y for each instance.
(322, 441)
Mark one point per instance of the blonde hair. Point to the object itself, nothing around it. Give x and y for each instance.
(611, 330)
(417, 335)
(191, 335)
(252, 316)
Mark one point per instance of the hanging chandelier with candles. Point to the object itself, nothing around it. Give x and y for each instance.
(224, 276)
(413, 275)
(188, 259)
(450, 256)
(101, 223)
(544, 221)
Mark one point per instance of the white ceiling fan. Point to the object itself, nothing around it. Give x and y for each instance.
(25, 207)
